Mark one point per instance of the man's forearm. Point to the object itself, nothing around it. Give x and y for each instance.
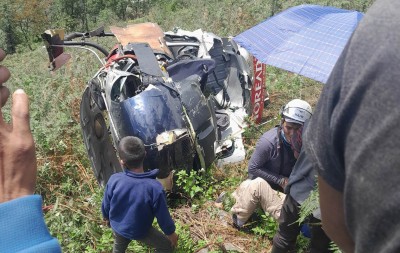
(332, 214)
(267, 176)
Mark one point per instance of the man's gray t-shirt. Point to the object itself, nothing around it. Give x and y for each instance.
(354, 135)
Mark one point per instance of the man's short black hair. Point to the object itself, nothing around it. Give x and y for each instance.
(131, 151)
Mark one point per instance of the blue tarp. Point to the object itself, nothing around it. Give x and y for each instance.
(306, 39)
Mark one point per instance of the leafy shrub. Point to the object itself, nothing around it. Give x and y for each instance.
(267, 225)
(195, 182)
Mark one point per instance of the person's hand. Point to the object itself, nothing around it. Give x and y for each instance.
(17, 149)
(107, 222)
(4, 75)
(174, 239)
(284, 182)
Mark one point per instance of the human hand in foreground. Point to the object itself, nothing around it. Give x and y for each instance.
(4, 75)
(174, 239)
(17, 148)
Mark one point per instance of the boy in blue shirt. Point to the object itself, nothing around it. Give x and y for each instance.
(133, 198)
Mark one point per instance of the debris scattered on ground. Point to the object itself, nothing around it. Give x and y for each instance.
(214, 226)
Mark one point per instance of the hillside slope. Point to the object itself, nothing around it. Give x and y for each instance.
(71, 195)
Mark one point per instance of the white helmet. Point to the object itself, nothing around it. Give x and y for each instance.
(243, 52)
(297, 111)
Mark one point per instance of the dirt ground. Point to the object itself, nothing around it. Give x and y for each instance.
(213, 226)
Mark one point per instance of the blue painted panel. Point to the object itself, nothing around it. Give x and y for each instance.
(150, 113)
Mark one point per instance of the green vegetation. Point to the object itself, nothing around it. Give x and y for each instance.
(23, 21)
(71, 195)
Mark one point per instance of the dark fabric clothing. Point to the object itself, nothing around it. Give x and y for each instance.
(354, 134)
(302, 180)
(267, 162)
(320, 242)
(132, 200)
(288, 229)
(154, 238)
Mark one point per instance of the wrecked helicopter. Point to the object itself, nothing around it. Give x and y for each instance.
(184, 94)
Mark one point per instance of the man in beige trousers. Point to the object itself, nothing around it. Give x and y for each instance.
(270, 166)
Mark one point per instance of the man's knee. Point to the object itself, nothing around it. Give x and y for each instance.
(259, 187)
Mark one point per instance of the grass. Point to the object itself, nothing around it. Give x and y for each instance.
(71, 195)
(70, 192)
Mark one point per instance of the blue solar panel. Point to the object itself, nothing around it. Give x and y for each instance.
(306, 39)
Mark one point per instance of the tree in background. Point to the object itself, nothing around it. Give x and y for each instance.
(22, 22)
(30, 20)
(68, 14)
(7, 26)
(118, 7)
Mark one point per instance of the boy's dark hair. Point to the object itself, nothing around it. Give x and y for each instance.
(131, 151)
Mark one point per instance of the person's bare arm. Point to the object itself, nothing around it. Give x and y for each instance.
(332, 213)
